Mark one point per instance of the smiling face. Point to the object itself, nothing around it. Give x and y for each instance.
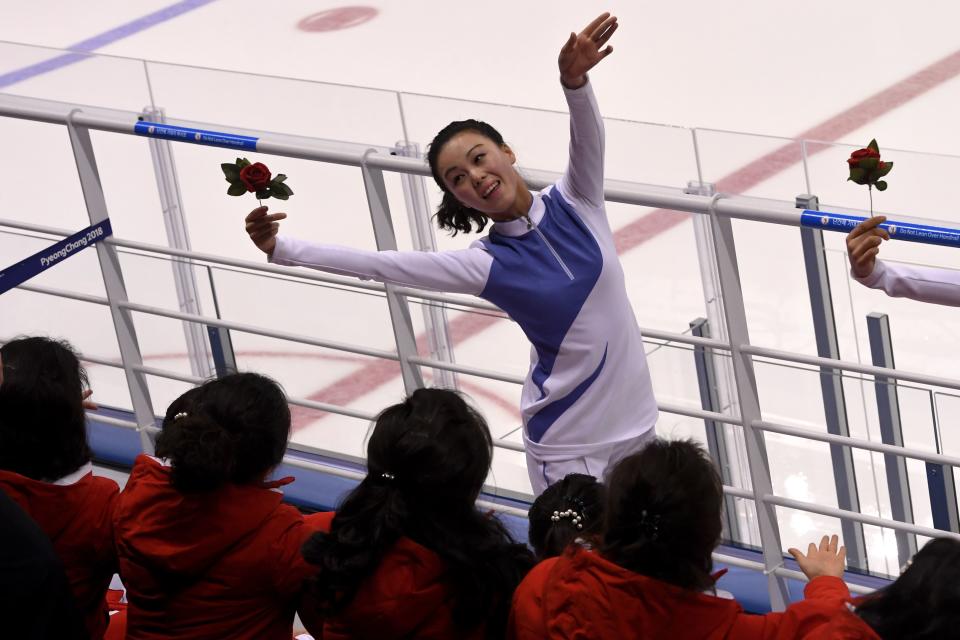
(480, 174)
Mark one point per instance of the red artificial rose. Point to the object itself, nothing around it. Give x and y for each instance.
(256, 176)
(861, 154)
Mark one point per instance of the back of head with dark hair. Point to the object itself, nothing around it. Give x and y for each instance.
(552, 514)
(924, 602)
(427, 459)
(452, 215)
(42, 424)
(663, 516)
(233, 429)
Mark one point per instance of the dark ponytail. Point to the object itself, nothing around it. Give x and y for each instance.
(43, 432)
(233, 429)
(451, 214)
(577, 495)
(427, 459)
(663, 513)
(201, 451)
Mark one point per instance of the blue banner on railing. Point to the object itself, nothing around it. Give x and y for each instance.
(39, 262)
(195, 136)
(908, 231)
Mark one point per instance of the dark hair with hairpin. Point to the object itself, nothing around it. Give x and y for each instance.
(663, 515)
(427, 459)
(568, 509)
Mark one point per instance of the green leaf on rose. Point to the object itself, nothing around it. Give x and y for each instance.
(868, 163)
(885, 170)
(242, 162)
(236, 189)
(277, 186)
(280, 178)
(873, 145)
(263, 193)
(231, 171)
(857, 174)
(881, 186)
(280, 195)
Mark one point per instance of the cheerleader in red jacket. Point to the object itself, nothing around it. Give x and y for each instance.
(922, 604)
(408, 554)
(650, 574)
(45, 467)
(207, 548)
(568, 510)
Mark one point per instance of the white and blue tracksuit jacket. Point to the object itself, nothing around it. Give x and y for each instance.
(588, 387)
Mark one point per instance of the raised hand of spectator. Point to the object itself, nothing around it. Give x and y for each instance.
(825, 560)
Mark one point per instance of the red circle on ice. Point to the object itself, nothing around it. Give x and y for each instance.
(336, 19)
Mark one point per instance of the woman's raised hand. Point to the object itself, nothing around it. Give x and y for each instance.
(863, 245)
(583, 51)
(263, 228)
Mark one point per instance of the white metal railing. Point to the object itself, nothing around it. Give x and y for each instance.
(80, 121)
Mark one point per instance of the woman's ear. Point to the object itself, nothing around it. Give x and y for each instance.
(509, 152)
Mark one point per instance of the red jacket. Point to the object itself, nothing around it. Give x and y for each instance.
(587, 596)
(845, 626)
(220, 564)
(77, 518)
(526, 613)
(406, 597)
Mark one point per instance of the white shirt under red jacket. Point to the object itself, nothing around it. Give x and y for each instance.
(76, 513)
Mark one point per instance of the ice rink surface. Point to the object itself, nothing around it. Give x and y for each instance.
(748, 75)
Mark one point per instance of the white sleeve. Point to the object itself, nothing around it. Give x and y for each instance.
(463, 271)
(927, 284)
(583, 179)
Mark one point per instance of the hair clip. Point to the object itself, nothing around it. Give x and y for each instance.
(575, 518)
(650, 524)
(182, 414)
(388, 476)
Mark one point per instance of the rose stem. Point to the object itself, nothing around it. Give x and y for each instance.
(870, 191)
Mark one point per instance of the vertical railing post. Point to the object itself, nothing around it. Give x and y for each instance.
(891, 432)
(434, 314)
(831, 382)
(941, 484)
(178, 237)
(749, 402)
(715, 431)
(113, 282)
(713, 303)
(399, 310)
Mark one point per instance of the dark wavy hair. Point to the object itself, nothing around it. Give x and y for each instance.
(924, 602)
(43, 433)
(577, 492)
(663, 519)
(235, 430)
(451, 215)
(427, 459)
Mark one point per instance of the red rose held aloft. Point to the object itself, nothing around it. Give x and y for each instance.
(255, 176)
(860, 154)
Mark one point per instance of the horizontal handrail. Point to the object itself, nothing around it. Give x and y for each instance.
(846, 365)
(843, 514)
(935, 458)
